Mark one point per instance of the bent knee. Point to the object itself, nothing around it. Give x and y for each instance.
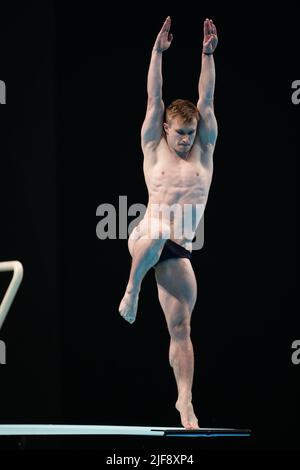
(153, 228)
(133, 237)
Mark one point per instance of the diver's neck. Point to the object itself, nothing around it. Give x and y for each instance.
(181, 155)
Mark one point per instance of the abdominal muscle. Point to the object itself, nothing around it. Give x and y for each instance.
(178, 192)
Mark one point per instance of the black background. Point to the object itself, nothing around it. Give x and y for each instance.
(70, 141)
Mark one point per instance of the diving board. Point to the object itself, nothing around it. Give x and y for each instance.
(71, 429)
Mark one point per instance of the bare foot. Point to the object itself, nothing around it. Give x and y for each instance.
(128, 306)
(187, 415)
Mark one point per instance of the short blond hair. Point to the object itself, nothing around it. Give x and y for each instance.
(183, 108)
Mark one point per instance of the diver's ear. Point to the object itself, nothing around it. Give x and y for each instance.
(166, 127)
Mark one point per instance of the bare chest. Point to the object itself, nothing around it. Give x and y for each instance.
(183, 180)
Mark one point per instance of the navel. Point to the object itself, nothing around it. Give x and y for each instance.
(162, 172)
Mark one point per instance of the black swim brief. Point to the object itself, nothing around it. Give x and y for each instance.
(173, 250)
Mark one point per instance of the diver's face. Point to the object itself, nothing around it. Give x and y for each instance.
(181, 135)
